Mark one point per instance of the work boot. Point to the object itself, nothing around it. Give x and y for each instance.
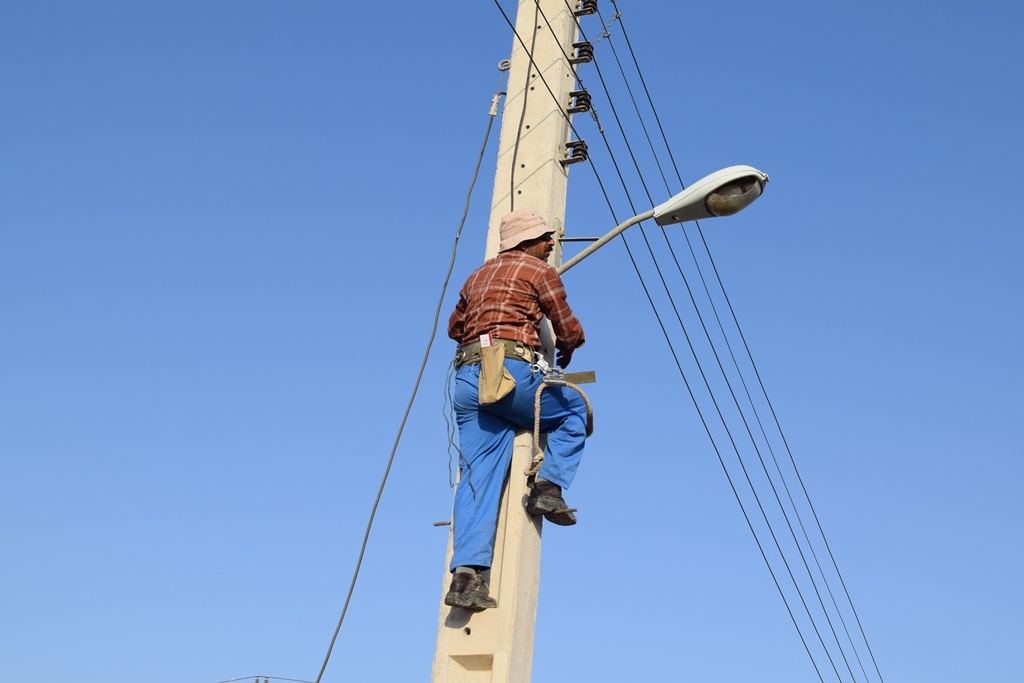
(469, 591)
(546, 499)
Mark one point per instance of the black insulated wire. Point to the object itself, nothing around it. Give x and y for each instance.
(415, 390)
(764, 467)
(722, 419)
(782, 592)
(674, 354)
(618, 18)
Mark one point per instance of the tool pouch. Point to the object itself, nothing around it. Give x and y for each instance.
(495, 381)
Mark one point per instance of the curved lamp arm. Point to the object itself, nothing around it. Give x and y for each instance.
(722, 193)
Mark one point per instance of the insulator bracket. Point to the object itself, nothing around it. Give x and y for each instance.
(584, 52)
(576, 151)
(580, 101)
(586, 7)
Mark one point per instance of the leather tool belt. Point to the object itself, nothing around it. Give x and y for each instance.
(468, 354)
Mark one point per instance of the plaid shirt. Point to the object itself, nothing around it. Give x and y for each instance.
(507, 296)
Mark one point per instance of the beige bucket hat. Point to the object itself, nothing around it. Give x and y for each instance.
(519, 226)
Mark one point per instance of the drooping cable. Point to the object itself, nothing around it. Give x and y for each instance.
(426, 355)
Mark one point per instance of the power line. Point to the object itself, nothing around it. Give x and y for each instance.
(746, 425)
(675, 356)
(426, 355)
(625, 187)
(551, 92)
(721, 368)
(810, 545)
(522, 117)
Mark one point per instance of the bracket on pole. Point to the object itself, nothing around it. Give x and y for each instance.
(580, 101)
(584, 52)
(586, 7)
(576, 152)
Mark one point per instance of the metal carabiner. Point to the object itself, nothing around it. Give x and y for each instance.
(540, 365)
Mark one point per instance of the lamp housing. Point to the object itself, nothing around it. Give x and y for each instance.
(722, 193)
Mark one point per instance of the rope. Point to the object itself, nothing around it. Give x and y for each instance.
(538, 452)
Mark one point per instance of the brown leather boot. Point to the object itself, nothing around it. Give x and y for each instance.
(546, 499)
(469, 591)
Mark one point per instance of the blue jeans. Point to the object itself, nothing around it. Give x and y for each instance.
(486, 434)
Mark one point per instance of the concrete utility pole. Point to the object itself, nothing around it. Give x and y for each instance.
(533, 158)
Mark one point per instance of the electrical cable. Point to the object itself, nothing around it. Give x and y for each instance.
(671, 346)
(714, 445)
(416, 385)
(781, 477)
(654, 110)
(547, 86)
(263, 679)
(728, 431)
(803, 487)
(522, 120)
(650, 100)
(764, 392)
(533, 63)
(669, 293)
(447, 412)
(564, 113)
(639, 116)
(657, 316)
(746, 424)
(604, 192)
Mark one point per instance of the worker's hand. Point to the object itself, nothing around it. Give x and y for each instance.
(564, 357)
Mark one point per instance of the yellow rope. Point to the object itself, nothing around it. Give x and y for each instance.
(538, 452)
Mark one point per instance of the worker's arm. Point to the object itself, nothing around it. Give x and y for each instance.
(553, 304)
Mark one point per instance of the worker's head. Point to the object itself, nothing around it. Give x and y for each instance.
(521, 226)
(539, 247)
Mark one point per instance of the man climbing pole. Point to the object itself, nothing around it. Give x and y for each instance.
(499, 370)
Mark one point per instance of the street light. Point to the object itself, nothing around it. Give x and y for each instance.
(722, 193)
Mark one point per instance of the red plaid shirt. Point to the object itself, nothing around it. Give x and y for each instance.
(507, 296)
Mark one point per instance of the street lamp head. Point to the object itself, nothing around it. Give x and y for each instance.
(722, 193)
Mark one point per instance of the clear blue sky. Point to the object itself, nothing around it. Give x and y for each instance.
(223, 231)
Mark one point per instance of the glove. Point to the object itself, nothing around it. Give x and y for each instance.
(564, 357)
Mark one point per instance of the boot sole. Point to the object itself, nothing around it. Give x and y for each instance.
(554, 509)
(471, 603)
(561, 518)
